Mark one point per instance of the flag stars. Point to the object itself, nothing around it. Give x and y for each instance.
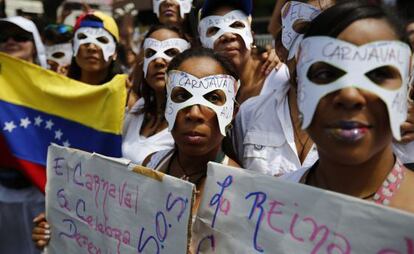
(25, 122)
(58, 134)
(49, 124)
(38, 121)
(66, 143)
(9, 126)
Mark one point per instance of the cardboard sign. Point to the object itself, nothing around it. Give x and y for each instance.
(243, 212)
(98, 205)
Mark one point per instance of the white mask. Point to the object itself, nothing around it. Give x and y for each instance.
(185, 6)
(356, 62)
(98, 36)
(160, 48)
(294, 13)
(198, 88)
(223, 25)
(60, 53)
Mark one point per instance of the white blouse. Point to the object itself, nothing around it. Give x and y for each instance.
(136, 147)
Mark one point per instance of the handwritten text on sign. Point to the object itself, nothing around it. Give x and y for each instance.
(243, 212)
(97, 205)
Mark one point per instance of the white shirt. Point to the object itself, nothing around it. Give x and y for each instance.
(274, 79)
(136, 147)
(263, 136)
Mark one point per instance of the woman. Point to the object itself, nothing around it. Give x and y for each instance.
(353, 106)
(195, 119)
(225, 26)
(145, 128)
(197, 115)
(20, 200)
(94, 46)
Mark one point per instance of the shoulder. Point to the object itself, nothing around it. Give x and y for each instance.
(157, 160)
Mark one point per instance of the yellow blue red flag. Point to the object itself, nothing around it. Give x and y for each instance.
(39, 107)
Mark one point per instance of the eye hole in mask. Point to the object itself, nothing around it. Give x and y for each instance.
(172, 52)
(322, 73)
(82, 36)
(58, 55)
(103, 39)
(149, 52)
(387, 77)
(211, 31)
(180, 94)
(217, 97)
(301, 26)
(237, 25)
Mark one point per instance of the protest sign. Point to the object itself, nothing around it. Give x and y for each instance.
(243, 212)
(96, 204)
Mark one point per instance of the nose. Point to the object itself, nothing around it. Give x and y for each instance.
(169, 2)
(194, 114)
(92, 46)
(228, 37)
(349, 98)
(160, 62)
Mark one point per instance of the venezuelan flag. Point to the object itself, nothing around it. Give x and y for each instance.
(39, 107)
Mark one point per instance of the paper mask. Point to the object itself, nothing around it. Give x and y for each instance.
(60, 53)
(160, 48)
(185, 6)
(198, 88)
(223, 24)
(98, 36)
(293, 14)
(356, 62)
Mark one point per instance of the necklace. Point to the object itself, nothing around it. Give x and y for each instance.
(387, 189)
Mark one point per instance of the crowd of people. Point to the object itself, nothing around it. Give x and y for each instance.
(319, 108)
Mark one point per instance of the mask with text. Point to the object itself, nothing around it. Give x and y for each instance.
(354, 63)
(197, 93)
(295, 17)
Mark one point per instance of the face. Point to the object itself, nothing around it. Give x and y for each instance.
(170, 13)
(155, 75)
(410, 33)
(351, 125)
(94, 49)
(300, 16)
(196, 130)
(230, 44)
(17, 43)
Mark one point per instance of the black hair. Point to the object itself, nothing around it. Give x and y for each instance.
(203, 52)
(234, 4)
(335, 19)
(140, 85)
(57, 33)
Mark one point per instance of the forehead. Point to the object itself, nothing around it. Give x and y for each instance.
(368, 30)
(201, 67)
(164, 34)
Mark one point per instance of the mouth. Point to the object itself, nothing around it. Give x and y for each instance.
(169, 12)
(194, 137)
(349, 131)
(160, 75)
(92, 58)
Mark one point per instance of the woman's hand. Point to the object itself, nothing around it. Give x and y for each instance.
(407, 128)
(41, 231)
(271, 61)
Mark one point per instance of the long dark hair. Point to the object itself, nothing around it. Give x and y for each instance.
(140, 85)
(335, 19)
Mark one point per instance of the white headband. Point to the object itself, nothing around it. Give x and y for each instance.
(198, 88)
(65, 51)
(92, 36)
(356, 62)
(292, 13)
(160, 47)
(223, 23)
(185, 6)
